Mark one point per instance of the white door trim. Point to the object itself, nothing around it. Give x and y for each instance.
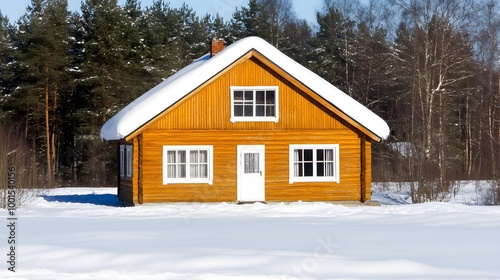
(251, 184)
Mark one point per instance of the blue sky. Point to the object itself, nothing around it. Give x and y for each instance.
(305, 9)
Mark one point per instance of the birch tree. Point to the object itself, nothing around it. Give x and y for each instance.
(440, 65)
(484, 130)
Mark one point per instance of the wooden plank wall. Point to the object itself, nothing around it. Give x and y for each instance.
(210, 108)
(277, 183)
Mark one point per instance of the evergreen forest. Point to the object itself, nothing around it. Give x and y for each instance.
(429, 68)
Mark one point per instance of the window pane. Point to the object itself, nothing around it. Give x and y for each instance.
(308, 155)
(181, 171)
(270, 111)
(238, 95)
(129, 161)
(329, 171)
(270, 97)
(203, 156)
(193, 156)
(251, 162)
(298, 170)
(171, 171)
(125, 163)
(329, 155)
(171, 156)
(319, 154)
(249, 95)
(259, 111)
(320, 169)
(260, 97)
(181, 156)
(238, 110)
(256, 163)
(308, 169)
(193, 171)
(248, 111)
(300, 155)
(122, 161)
(204, 171)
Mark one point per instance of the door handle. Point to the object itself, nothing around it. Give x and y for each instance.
(260, 173)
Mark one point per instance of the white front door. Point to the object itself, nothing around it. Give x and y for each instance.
(251, 173)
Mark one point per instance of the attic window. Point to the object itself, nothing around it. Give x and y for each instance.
(254, 104)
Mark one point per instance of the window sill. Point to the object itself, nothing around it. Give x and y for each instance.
(252, 119)
(170, 182)
(314, 180)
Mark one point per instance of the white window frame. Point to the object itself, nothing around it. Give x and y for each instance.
(255, 118)
(315, 178)
(126, 161)
(128, 149)
(187, 149)
(122, 161)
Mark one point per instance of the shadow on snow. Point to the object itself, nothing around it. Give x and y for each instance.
(97, 199)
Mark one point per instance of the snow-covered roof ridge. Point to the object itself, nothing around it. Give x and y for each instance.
(171, 90)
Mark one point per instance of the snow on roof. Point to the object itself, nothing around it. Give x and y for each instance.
(171, 90)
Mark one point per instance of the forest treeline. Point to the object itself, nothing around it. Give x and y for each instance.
(429, 68)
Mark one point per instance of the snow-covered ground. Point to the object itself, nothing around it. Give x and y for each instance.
(83, 234)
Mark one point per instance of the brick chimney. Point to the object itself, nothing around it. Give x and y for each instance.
(217, 46)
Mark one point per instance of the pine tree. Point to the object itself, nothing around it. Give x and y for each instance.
(159, 25)
(110, 78)
(105, 65)
(192, 35)
(219, 28)
(134, 72)
(296, 36)
(42, 58)
(371, 56)
(332, 49)
(6, 71)
(249, 21)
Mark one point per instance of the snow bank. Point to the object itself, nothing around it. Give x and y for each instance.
(83, 234)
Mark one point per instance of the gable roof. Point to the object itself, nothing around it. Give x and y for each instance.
(167, 93)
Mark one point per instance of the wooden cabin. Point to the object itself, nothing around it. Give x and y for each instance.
(244, 123)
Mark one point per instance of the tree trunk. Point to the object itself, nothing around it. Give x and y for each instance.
(47, 130)
(491, 127)
(53, 132)
(468, 162)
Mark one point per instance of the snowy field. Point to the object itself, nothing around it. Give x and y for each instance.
(83, 234)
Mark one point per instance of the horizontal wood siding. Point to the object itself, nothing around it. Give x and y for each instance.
(210, 107)
(277, 165)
